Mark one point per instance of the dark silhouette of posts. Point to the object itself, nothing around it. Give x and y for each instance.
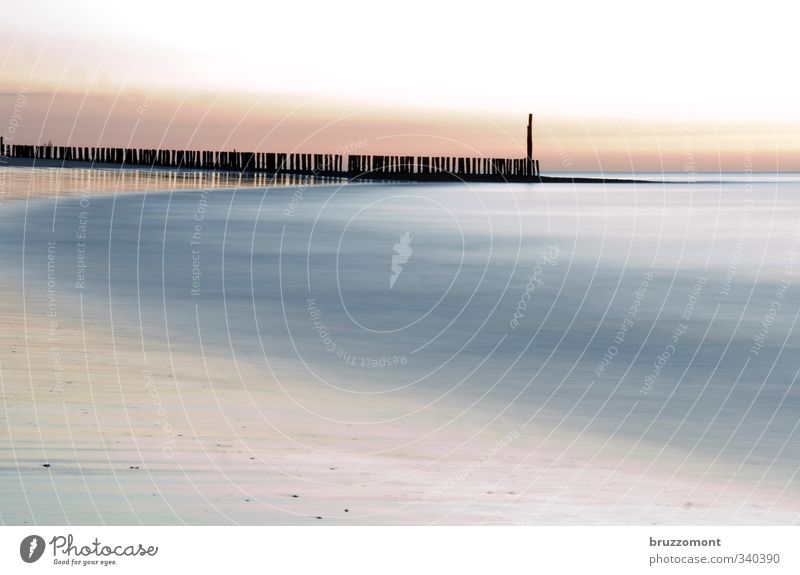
(389, 167)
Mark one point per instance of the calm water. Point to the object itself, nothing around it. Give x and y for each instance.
(665, 313)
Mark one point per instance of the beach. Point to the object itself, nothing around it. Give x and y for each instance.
(228, 354)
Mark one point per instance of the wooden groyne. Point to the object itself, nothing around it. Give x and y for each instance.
(351, 167)
(373, 167)
(367, 167)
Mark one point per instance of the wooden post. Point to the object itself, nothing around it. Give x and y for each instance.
(530, 137)
(248, 161)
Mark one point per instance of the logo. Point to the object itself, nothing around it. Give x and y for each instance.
(31, 548)
(402, 251)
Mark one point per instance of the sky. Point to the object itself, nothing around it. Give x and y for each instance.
(613, 86)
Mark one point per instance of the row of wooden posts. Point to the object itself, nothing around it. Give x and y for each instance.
(352, 166)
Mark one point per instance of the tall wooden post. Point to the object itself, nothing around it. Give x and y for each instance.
(530, 137)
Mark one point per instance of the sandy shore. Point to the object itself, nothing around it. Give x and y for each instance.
(102, 427)
(132, 434)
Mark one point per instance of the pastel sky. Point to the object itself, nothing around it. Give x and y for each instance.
(613, 85)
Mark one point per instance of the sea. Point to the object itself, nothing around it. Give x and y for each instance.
(660, 313)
